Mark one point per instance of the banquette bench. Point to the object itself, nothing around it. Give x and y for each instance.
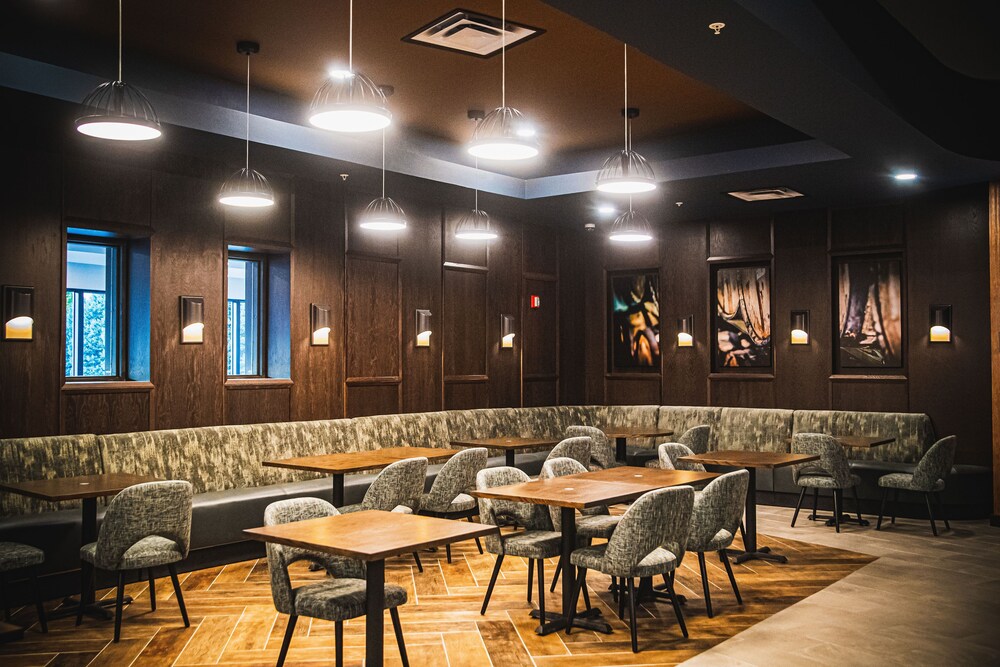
(232, 487)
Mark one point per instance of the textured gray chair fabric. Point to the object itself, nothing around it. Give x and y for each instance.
(577, 448)
(447, 498)
(337, 599)
(596, 521)
(602, 452)
(696, 438)
(832, 471)
(661, 517)
(669, 454)
(16, 556)
(715, 519)
(928, 478)
(397, 488)
(145, 526)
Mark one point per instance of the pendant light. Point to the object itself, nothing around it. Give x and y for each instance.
(349, 101)
(503, 134)
(475, 225)
(117, 111)
(382, 213)
(626, 172)
(631, 227)
(247, 188)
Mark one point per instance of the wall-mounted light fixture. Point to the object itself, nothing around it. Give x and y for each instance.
(507, 331)
(423, 328)
(685, 331)
(940, 323)
(192, 320)
(800, 327)
(18, 313)
(319, 324)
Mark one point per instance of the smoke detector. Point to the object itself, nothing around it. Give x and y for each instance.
(472, 33)
(766, 194)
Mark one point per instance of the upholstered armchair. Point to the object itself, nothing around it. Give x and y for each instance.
(832, 471)
(577, 448)
(602, 452)
(15, 556)
(447, 498)
(928, 478)
(718, 509)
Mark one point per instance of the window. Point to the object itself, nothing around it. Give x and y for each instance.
(245, 324)
(93, 309)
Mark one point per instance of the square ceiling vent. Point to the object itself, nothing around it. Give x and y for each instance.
(471, 33)
(765, 194)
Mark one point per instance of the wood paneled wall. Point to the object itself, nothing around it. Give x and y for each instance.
(994, 245)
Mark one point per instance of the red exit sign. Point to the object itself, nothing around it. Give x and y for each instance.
(535, 301)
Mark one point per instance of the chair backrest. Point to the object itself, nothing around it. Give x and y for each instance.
(457, 476)
(718, 507)
(670, 453)
(560, 467)
(507, 512)
(577, 448)
(399, 483)
(832, 458)
(279, 556)
(936, 463)
(696, 438)
(602, 452)
(658, 518)
(151, 509)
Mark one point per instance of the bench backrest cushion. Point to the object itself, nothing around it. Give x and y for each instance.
(420, 429)
(913, 431)
(679, 418)
(753, 429)
(26, 459)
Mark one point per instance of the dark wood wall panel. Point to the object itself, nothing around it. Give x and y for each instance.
(505, 296)
(867, 227)
(106, 411)
(465, 331)
(541, 344)
(372, 323)
(372, 399)
(466, 395)
(462, 251)
(262, 226)
(683, 285)
(743, 392)
(875, 394)
(739, 238)
(572, 321)
(421, 278)
(107, 192)
(538, 392)
(633, 391)
(258, 405)
(364, 241)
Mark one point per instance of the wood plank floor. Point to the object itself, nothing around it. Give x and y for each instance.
(233, 621)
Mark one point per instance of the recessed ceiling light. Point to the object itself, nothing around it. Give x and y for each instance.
(905, 176)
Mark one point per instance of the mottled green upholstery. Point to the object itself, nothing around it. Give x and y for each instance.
(752, 429)
(26, 459)
(681, 418)
(914, 432)
(548, 422)
(420, 429)
(604, 416)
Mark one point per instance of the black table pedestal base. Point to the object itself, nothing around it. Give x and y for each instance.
(844, 518)
(590, 619)
(762, 553)
(101, 609)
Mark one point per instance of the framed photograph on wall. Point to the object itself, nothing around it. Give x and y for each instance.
(634, 312)
(868, 299)
(741, 314)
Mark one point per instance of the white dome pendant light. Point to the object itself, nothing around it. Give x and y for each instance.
(631, 227)
(475, 225)
(247, 188)
(117, 111)
(382, 213)
(626, 172)
(503, 134)
(349, 101)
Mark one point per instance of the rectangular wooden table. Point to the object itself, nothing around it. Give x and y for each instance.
(511, 445)
(621, 434)
(371, 536)
(578, 492)
(87, 489)
(751, 461)
(338, 465)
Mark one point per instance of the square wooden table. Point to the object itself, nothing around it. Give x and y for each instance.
(371, 536)
(751, 461)
(578, 492)
(510, 445)
(338, 465)
(621, 434)
(86, 488)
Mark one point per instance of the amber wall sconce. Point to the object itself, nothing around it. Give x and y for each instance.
(423, 327)
(685, 331)
(319, 324)
(940, 323)
(507, 331)
(800, 327)
(18, 313)
(192, 320)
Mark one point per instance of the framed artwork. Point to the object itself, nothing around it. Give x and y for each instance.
(741, 312)
(634, 307)
(869, 312)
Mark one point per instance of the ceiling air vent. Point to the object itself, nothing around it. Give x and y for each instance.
(471, 33)
(765, 194)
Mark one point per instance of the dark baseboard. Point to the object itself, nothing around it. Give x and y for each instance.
(995, 520)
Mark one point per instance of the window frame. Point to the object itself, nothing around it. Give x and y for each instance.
(119, 276)
(260, 329)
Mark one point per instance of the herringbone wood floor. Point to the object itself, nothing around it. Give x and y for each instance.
(233, 620)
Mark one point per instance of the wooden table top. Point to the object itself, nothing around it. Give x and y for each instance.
(76, 488)
(749, 459)
(507, 442)
(357, 461)
(636, 432)
(371, 534)
(648, 476)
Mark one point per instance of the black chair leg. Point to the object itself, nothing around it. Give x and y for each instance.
(478, 543)
(178, 594)
(895, 504)
(941, 511)
(416, 558)
(290, 629)
(743, 533)
(531, 579)
(3, 597)
(398, 629)
(622, 592)
(704, 584)
(152, 589)
(541, 593)
(578, 585)
(338, 631)
(119, 602)
(732, 578)
(447, 550)
(39, 607)
(85, 580)
(815, 503)
(836, 508)
(630, 583)
(881, 509)
(493, 581)
(930, 513)
(798, 505)
(857, 503)
(555, 577)
(677, 607)
(586, 598)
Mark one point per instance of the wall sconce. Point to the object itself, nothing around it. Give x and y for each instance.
(800, 327)
(319, 324)
(192, 320)
(941, 323)
(423, 328)
(507, 331)
(685, 331)
(18, 313)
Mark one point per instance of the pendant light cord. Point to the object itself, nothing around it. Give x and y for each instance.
(383, 163)
(350, 39)
(119, 41)
(626, 100)
(248, 111)
(477, 184)
(503, 54)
